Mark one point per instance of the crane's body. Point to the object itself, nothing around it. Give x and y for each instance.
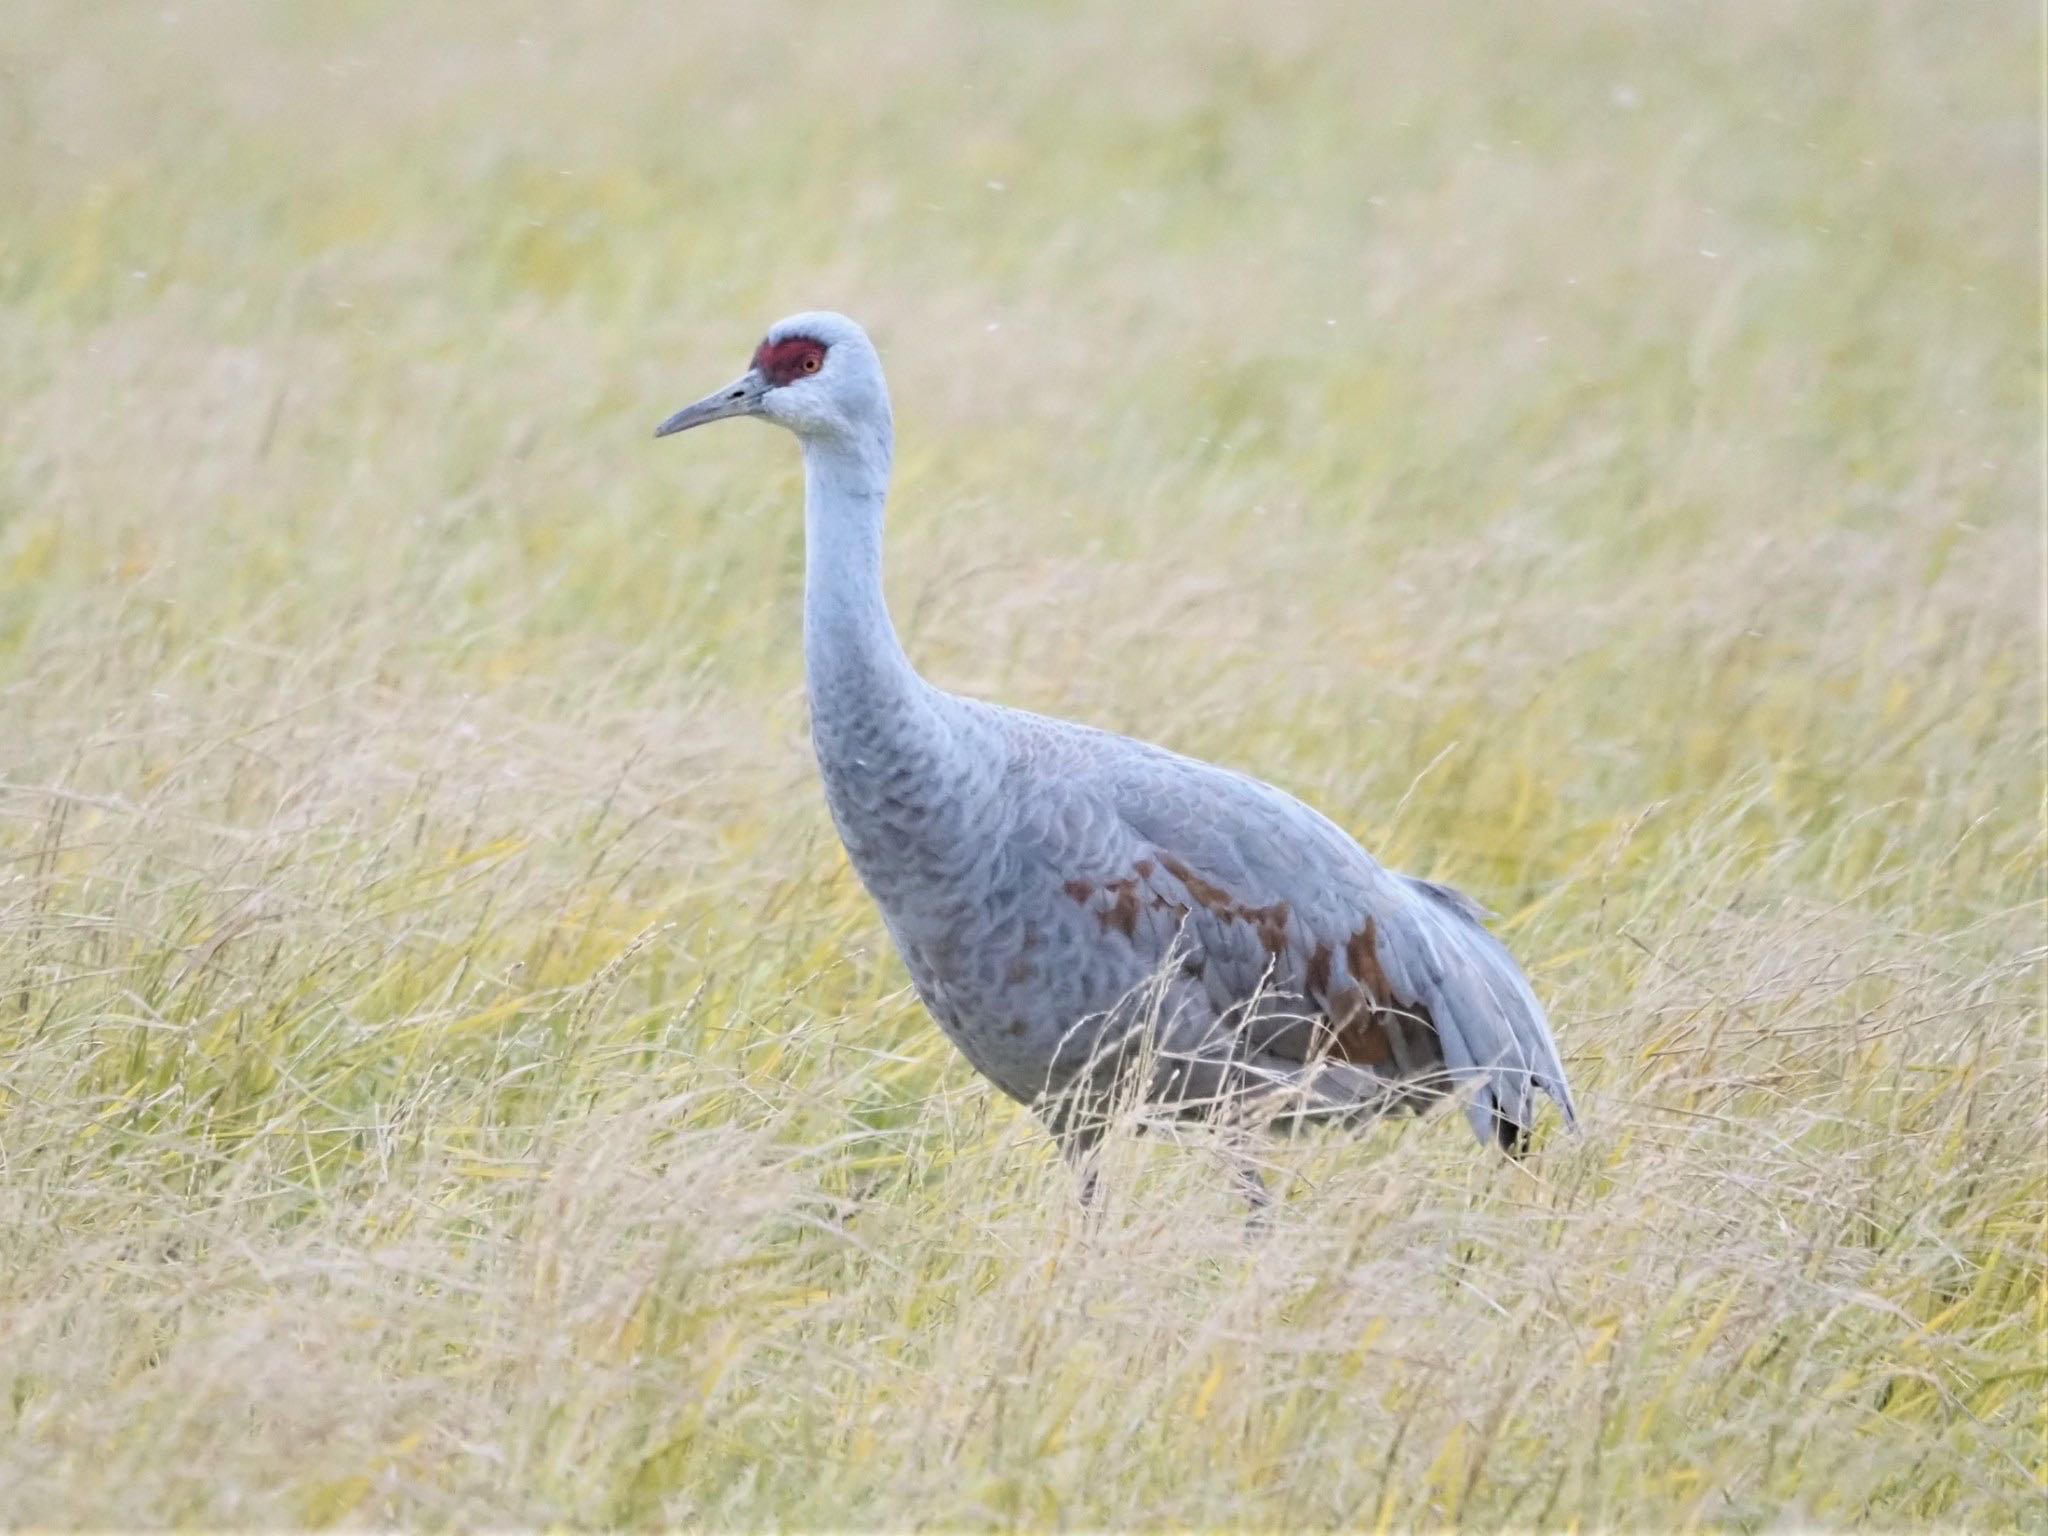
(1073, 905)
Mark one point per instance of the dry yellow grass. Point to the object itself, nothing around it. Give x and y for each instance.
(447, 1074)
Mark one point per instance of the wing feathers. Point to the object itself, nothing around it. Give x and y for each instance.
(1413, 989)
(1496, 1040)
(1260, 899)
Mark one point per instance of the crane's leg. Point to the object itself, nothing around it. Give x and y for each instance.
(1199, 1074)
(1078, 1130)
(1093, 1097)
(1087, 1169)
(1251, 1184)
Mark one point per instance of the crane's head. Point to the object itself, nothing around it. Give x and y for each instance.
(816, 374)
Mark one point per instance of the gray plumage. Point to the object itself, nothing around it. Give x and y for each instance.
(1074, 905)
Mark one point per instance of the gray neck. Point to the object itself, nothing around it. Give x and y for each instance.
(906, 771)
(852, 658)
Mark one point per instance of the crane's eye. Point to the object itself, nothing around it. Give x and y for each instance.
(786, 361)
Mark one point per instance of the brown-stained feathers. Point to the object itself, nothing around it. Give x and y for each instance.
(1122, 914)
(1362, 954)
(1270, 922)
(1319, 973)
(1369, 1026)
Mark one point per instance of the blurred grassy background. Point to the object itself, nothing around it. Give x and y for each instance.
(447, 1072)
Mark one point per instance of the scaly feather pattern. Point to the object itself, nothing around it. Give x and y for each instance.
(1073, 905)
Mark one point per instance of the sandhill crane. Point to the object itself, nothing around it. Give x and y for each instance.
(1079, 910)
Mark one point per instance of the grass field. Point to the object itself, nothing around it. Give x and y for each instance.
(448, 1073)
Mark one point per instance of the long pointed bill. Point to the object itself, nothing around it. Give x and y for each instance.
(739, 398)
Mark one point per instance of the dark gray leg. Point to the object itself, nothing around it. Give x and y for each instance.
(1250, 1183)
(1080, 1146)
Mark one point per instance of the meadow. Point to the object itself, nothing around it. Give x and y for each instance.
(448, 1073)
